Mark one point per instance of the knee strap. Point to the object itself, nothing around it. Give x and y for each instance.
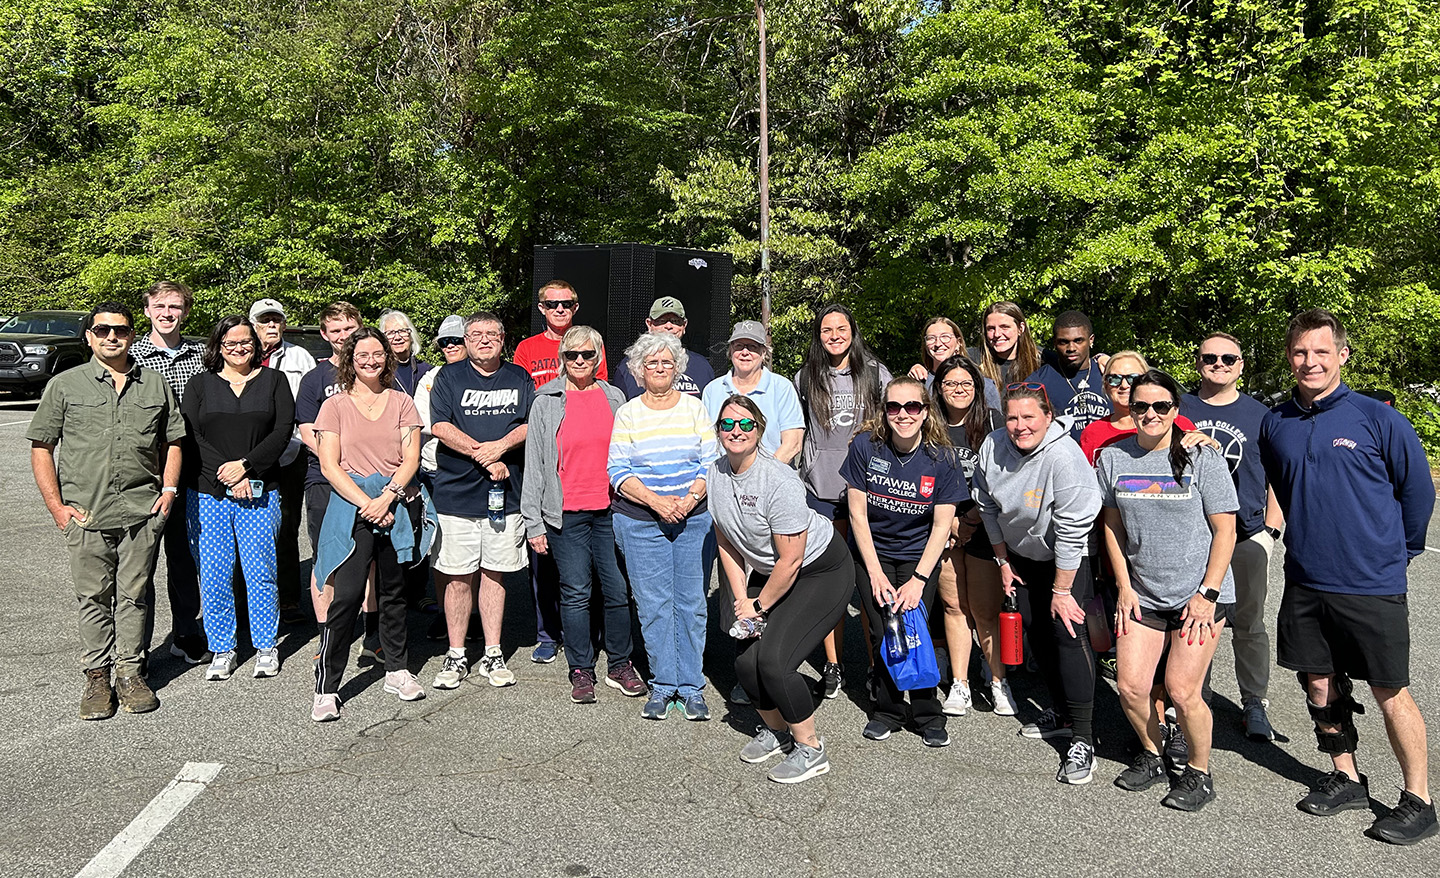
(1339, 712)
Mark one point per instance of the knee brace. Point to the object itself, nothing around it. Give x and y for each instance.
(1338, 712)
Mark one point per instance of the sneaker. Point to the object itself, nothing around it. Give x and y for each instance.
(135, 696)
(832, 679)
(657, 707)
(1107, 665)
(958, 701)
(582, 686)
(802, 764)
(492, 666)
(97, 699)
(371, 652)
(293, 615)
(222, 666)
(766, 743)
(327, 708)
(876, 730)
(624, 677)
(1003, 698)
(1336, 792)
(454, 669)
(1257, 724)
(403, 685)
(1193, 791)
(1175, 747)
(545, 653)
(267, 662)
(935, 737)
(190, 647)
(1411, 821)
(738, 695)
(1078, 766)
(696, 710)
(1047, 726)
(439, 629)
(1145, 771)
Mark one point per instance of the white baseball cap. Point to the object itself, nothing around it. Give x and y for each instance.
(266, 306)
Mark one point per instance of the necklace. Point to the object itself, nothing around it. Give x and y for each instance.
(905, 460)
(244, 379)
(1081, 381)
(368, 406)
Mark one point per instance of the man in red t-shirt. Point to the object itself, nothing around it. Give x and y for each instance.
(540, 354)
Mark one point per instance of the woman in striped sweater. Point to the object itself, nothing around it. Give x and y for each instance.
(660, 448)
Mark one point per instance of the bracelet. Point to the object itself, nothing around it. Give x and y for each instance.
(1063, 594)
(397, 490)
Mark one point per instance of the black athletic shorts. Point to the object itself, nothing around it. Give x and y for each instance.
(1365, 637)
(1169, 620)
(317, 498)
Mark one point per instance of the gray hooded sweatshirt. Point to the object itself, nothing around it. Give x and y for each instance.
(541, 502)
(1042, 505)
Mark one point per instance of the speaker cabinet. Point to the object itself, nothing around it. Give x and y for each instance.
(617, 283)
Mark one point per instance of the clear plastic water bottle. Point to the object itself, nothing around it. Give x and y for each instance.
(497, 503)
(748, 627)
(897, 646)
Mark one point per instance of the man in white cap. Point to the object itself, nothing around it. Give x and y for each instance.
(668, 315)
(450, 339)
(268, 316)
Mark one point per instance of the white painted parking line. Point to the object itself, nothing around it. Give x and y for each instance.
(1431, 549)
(14, 423)
(151, 820)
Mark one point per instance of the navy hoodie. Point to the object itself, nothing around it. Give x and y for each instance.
(1355, 487)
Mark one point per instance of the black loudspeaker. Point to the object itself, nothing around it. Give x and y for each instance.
(617, 283)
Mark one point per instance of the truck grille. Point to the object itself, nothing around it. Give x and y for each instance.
(9, 353)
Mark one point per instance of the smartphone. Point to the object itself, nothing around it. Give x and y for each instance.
(257, 489)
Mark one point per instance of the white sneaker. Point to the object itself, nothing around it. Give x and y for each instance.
(958, 701)
(403, 685)
(267, 662)
(1002, 696)
(455, 669)
(222, 666)
(492, 666)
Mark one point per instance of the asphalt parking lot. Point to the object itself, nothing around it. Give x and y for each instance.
(521, 782)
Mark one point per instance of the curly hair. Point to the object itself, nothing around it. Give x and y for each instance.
(934, 435)
(345, 372)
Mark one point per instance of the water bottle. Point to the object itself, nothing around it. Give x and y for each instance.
(748, 627)
(1012, 641)
(497, 503)
(896, 645)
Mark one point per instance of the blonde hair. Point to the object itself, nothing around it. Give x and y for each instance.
(1126, 355)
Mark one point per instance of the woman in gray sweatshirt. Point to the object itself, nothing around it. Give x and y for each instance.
(1038, 499)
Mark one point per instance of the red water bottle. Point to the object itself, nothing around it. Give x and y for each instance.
(1012, 640)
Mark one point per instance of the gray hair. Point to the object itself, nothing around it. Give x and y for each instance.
(401, 318)
(576, 336)
(650, 344)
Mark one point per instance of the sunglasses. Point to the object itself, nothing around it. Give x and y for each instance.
(746, 425)
(104, 330)
(912, 407)
(1117, 380)
(1227, 359)
(572, 356)
(1028, 385)
(567, 304)
(1161, 408)
(450, 341)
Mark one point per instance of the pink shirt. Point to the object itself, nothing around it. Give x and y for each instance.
(584, 444)
(369, 447)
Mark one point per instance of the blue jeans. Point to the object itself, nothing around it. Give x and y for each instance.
(223, 529)
(587, 539)
(668, 564)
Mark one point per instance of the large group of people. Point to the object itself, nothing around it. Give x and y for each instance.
(1129, 522)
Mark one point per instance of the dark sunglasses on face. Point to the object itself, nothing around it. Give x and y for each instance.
(1227, 359)
(1117, 380)
(1161, 408)
(450, 341)
(746, 425)
(912, 407)
(572, 356)
(567, 304)
(104, 330)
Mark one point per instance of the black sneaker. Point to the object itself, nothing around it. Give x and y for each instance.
(876, 730)
(1146, 770)
(1175, 747)
(1046, 727)
(1194, 790)
(1334, 793)
(1107, 665)
(935, 737)
(832, 679)
(191, 648)
(1411, 821)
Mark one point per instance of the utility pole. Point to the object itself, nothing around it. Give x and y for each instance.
(764, 175)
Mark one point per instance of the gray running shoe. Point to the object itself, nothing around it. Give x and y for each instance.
(1176, 748)
(1047, 726)
(267, 662)
(1079, 764)
(1257, 723)
(766, 743)
(802, 764)
(222, 666)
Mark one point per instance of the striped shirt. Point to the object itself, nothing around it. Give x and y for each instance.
(666, 450)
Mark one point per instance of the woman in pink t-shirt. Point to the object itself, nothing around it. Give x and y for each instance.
(368, 433)
(565, 501)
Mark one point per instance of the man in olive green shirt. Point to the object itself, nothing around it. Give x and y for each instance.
(119, 428)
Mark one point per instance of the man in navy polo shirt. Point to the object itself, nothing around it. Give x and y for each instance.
(1352, 479)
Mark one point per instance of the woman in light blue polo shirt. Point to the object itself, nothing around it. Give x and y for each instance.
(776, 397)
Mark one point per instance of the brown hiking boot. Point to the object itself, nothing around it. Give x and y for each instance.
(135, 695)
(98, 699)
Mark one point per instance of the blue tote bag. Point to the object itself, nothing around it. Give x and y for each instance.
(917, 670)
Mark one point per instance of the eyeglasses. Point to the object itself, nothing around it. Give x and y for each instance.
(370, 358)
(237, 345)
(566, 304)
(1117, 380)
(104, 330)
(893, 408)
(957, 385)
(1227, 359)
(746, 425)
(659, 365)
(389, 333)
(572, 356)
(939, 339)
(1161, 408)
(484, 336)
(450, 341)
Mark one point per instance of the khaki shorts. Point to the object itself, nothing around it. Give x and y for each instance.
(464, 545)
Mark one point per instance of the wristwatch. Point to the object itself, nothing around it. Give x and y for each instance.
(1274, 532)
(696, 497)
(1210, 594)
(1001, 562)
(756, 604)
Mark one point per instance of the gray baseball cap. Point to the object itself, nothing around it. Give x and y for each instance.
(451, 327)
(266, 306)
(750, 330)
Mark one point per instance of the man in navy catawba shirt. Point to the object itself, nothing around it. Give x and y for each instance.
(1352, 479)
(1076, 383)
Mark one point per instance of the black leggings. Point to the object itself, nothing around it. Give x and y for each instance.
(890, 701)
(769, 667)
(1067, 663)
(349, 583)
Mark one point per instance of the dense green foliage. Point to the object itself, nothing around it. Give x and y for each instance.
(1170, 167)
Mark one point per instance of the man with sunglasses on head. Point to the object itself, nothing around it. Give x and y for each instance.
(1222, 412)
(118, 427)
(1075, 382)
(667, 314)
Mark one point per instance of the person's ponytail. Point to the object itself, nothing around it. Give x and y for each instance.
(1179, 454)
